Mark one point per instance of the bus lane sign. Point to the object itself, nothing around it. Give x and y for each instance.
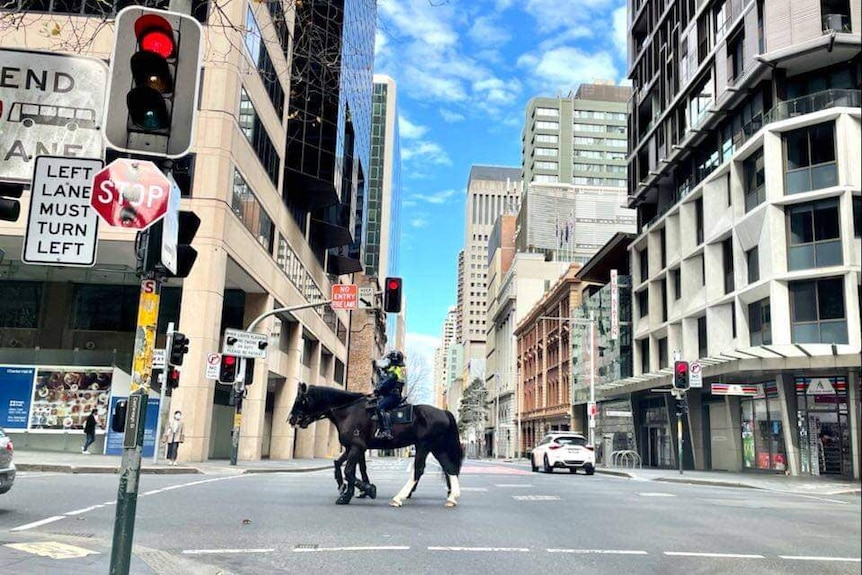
(50, 105)
(62, 226)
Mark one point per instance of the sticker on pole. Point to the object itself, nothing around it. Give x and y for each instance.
(62, 227)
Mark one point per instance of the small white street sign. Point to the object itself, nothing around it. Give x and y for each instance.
(62, 227)
(159, 360)
(695, 374)
(171, 228)
(52, 104)
(366, 297)
(245, 344)
(213, 363)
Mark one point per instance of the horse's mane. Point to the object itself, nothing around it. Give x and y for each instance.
(333, 396)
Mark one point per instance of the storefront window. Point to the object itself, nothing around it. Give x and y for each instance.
(762, 434)
(823, 426)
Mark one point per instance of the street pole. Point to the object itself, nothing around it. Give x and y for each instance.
(679, 413)
(238, 392)
(163, 383)
(136, 416)
(518, 431)
(497, 417)
(592, 418)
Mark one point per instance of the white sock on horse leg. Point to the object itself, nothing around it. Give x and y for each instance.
(455, 491)
(405, 491)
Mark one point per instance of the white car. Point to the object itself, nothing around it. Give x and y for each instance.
(564, 449)
(7, 468)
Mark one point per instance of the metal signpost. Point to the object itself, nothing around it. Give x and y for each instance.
(62, 227)
(50, 104)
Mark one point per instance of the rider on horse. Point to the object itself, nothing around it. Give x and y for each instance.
(390, 384)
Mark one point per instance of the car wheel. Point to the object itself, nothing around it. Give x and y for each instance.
(547, 466)
(533, 465)
(590, 469)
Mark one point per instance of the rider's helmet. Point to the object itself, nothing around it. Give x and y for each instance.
(396, 357)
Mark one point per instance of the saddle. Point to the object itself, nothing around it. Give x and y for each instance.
(402, 413)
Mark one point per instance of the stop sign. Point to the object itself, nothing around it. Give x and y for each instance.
(130, 193)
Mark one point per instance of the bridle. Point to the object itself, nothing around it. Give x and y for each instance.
(329, 411)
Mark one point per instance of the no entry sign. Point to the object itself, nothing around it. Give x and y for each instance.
(131, 194)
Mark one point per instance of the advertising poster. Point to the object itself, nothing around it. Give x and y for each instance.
(63, 397)
(16, 383)
(114, 442)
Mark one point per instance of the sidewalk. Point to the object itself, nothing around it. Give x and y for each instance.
(59, 462)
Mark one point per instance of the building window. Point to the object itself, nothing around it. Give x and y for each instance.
(547, 138)
(676, 278)
(664, 300)
(810, 158)
(815, 235)
(662, 353)
(248, 209)
(644, 264)
(857, 216)
(698, 220)
(547, 125)
(551, 112)
(547, 165)
(760, 323)
(20, 304)
(662, 246)
(546, 152)
(256, 134)
(727, 260)
(702, 349)
(643, 302)
(755, 180)
(818, 313)
(736, 56)
(105, 308)
(645, 355)
(752, 259)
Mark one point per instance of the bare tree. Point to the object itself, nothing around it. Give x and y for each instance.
(419, 373)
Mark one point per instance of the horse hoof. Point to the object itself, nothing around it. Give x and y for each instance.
(451, 504)
(342, 500)
(372, 491)
(395, 503)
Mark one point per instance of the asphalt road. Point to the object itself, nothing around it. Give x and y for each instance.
(509, 520)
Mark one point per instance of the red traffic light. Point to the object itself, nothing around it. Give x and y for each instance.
(394, 284)
(155, 35)
(228, 360)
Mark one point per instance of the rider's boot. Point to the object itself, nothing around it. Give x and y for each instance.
(385, 431)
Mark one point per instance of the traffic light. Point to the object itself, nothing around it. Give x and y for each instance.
(154, 78)
(680, 375)
(189, 223)
(228, 369)
(392, 295)
(172, 378)
(10, 207)
(178, 346)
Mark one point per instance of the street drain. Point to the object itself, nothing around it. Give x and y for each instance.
(311, 546)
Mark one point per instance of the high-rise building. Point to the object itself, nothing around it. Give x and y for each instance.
(282, 148)
(744, 170)
(491, 191)
(578, 139)
(448, 339)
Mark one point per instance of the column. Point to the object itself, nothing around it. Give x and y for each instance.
(333, 447)
(321, 429)
(734, 433)
(787, 397)
(200, 320)
(281, 446)
(695, 427)
(254, 404)
(305, 437)
(853, 412)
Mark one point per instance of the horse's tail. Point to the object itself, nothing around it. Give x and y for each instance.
(452, 446)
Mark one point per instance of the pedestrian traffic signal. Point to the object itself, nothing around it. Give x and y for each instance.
(172, 378)
(189, 223)
(392, 295)
(153, 87)
(178, 347)
(228, 369)
(680, 375)
(10, 207)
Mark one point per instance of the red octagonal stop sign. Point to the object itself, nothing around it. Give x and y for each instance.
(130, 193)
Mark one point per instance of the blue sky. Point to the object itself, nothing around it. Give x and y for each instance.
(465, 70)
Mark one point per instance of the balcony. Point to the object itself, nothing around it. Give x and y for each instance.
(813, 103)
(836, 23)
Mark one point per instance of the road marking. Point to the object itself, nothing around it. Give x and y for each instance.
(38, 523)
(726, 555)
(657, 494)
(492, 549)
(512, 485)
(84, 510)
(357, 548)
(224, 551)
(815, 558)
(535, 498)
(53, 550)
(600, 551)
(474, 489)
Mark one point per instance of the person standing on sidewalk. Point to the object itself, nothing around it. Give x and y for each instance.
(174, 435)
(89, 432)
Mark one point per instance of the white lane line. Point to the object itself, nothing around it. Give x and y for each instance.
(84, 510)
(600, 551)
(109, 503)
(492, 549)
(224, 551)
(815, 558)
(474, 489)
(656, 494)
(38, 523)
(357, 548)
(724, 555)
(511, 485)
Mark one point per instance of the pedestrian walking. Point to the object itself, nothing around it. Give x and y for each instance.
(89, 432)
(174, 435)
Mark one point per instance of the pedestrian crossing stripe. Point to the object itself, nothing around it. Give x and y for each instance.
(52, 549)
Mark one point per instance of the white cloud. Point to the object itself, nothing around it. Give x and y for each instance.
(409, 130)
(435, 198)
(486, 32)
(563, 69)
(450, 116)
(419, 222)
(620, 36)
(427, 152)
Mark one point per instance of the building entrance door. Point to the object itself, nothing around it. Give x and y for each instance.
(823, 426)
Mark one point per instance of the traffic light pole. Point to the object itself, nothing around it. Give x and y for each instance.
(681, 409)
(162, 386)
(136, 416)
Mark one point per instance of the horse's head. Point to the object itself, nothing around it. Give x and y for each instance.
(303, 412)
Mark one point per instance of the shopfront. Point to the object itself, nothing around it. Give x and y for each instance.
(763, 446)
(823, 426)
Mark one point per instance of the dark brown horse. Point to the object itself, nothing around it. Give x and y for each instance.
(432, 431)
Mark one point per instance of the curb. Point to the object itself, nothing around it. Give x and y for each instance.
(708, 482)
(615, 472)
(55, 468)
(260, 470)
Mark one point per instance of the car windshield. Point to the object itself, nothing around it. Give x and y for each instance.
(571, 440)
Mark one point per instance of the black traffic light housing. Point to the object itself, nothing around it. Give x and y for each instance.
(680, 375)
(154, 82)
(118, 418)
(189, 223)
(178, 348)
(228, 369)
(172, 379)
(392, 295)
(10, 207)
